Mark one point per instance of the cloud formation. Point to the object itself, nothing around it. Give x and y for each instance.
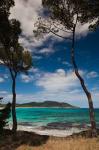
(60, 86)
(92, 74)
(27, 12)
(1, 79)
(58, 81)
(26, 78)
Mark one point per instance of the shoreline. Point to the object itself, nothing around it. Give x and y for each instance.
(48, 107)
(53, 107)
(53, 132)
(44, 107)
(49, 132)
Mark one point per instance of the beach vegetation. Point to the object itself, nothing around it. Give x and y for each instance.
(28, 140)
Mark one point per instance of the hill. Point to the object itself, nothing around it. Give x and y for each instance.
(46, 104)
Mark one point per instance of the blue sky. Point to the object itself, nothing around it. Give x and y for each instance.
(52, 77)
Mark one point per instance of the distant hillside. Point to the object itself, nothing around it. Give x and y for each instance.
(45, 104)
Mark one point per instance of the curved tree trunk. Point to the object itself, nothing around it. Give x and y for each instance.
(88, 94)
(14, 128)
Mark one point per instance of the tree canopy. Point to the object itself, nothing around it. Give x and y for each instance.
(90, 13)
(12, 54)
(5, 6)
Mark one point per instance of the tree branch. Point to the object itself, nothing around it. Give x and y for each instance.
(62, 29)
(66, 38)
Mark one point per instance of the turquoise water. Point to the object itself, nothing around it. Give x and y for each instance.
(43, 116)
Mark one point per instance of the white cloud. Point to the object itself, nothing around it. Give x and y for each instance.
(58, 81)
(26, 12)
(82, 30)
(33, 70)
(66, 63)
(3, 92)
(45, 51)
(27, 78)
(92, 74)
(37, 57)
(1, 80)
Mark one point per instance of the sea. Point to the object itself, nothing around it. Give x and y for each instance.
(54, 121)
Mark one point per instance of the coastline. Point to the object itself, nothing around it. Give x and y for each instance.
(44, 107)
(49, 107)
(52, 132)
(40, 130)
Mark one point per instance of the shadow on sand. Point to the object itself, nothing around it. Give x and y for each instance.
(11, 142)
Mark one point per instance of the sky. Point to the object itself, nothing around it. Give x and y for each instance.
(52, 77)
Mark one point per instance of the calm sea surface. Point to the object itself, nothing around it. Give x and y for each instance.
(43, 116)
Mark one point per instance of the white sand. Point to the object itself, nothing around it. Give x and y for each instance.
(49, 132)
(1, 108)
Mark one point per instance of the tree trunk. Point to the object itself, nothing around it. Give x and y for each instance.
(88, 94)
(14, 128)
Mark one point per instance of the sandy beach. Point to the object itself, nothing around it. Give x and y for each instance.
(54, 132)
(1, 108)
(50, 132)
